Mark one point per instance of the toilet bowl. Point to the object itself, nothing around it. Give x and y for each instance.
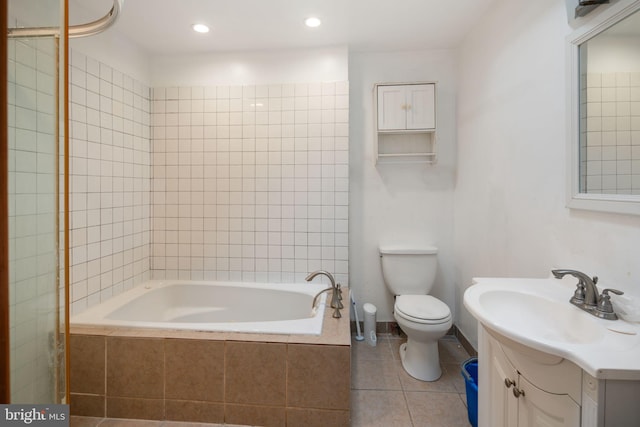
(425, 320)
(409, 274)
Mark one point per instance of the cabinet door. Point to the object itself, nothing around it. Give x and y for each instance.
(392, 108)
(421, 113)
(407, 107)
(503, 405)
(537, 408)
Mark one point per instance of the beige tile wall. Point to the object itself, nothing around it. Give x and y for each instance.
(233, 382)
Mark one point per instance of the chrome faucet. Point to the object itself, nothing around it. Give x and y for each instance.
(336, 296)
(586, 295)
(586, 292)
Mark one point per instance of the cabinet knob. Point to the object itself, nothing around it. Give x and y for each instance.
(509, 382)
(517, 392)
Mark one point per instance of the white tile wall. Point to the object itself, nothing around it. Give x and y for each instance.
(610, 143)
(32, 219)
(250, 182)
(110, 181)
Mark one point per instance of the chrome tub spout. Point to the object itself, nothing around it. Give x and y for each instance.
(336, 295)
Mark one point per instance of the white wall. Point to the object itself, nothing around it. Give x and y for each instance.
(614, 55)
(510, 214)
(399, 204)
(109, 47)
(116, 51)
(240, 68)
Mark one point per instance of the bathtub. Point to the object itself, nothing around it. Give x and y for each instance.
(212, 306)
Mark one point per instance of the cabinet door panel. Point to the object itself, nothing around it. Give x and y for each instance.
(502, 402)
(421, 107)
(391, 108)
(537, 408)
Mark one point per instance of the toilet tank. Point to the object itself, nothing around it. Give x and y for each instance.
(409, 271)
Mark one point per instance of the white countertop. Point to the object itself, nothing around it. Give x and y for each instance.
(537, 314)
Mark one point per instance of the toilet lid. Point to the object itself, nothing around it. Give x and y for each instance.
(422, 308)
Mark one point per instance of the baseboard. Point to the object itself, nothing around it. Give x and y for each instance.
(464, 342)
(392, 328)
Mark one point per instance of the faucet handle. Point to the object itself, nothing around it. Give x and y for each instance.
(338, 294)
(579, 294)
(605, 309)
(336, 313)
(613, 291)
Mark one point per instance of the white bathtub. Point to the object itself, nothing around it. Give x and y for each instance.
(212, 306)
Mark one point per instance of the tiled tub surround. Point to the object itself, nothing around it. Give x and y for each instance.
(250, 183)
(610, 142)
(245, 379)
(240, 183)
(233, 183)
(110, 174)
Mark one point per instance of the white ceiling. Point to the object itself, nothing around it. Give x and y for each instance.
(164, 26)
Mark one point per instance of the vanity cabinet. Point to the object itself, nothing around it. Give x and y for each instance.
(405, 122)
(503, 405)
(538, 407)
(529, 392)
(567, 368)
(550, 391)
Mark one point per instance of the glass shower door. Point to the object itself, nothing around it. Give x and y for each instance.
(36, 172)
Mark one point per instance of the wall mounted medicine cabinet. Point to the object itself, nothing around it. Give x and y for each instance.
(405, 122)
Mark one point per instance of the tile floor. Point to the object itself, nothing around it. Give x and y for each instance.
(382, 393)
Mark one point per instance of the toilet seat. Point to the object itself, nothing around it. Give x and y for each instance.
(423, 309)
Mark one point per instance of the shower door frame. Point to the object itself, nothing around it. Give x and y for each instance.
(64, 32)
(5, 390)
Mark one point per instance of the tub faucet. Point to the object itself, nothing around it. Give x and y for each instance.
(586, 295)
(336, 295)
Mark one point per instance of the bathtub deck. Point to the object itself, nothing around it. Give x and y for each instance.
(213, 377)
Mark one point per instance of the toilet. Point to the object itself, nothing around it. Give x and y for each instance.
(409, 274)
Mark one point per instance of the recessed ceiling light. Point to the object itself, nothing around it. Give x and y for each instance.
(200, 28)
(312, 22)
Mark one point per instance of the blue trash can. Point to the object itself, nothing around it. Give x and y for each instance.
(470, 374)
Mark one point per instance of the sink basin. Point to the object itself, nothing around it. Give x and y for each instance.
(537, 314)
(540, 317)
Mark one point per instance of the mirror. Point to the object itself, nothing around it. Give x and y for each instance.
(604, 140)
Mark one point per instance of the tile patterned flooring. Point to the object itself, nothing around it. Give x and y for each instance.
(382, 393)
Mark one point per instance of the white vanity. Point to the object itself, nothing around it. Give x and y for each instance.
(545, 362)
